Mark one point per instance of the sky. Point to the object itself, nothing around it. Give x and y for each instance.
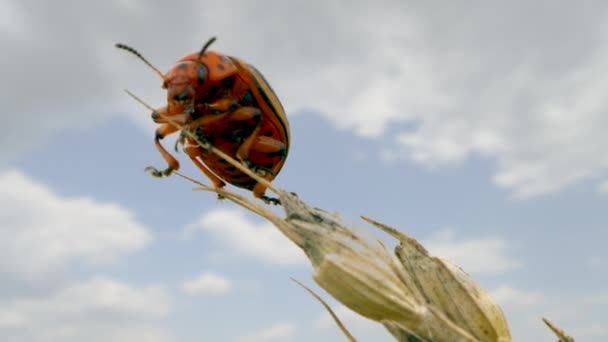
(477, 128)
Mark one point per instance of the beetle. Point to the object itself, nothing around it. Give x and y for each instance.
(227, 103)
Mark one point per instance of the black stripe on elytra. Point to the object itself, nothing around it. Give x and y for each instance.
(265, 97)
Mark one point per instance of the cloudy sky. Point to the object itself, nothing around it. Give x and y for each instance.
(479, 129)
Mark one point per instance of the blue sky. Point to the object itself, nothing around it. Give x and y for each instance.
(478, 130)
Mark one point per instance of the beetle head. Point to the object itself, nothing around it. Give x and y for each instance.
(180, 85)
(181, 81)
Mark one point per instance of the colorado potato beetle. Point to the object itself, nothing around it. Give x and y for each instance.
(225, 102)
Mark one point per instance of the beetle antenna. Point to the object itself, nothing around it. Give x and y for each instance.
(209, 42)
(138, 55)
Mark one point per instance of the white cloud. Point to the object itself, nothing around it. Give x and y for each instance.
(241, 235)
(277, 332)
(523, 310)
(581, 314)
(597, 263)
(471, 83)
(509, 295)
(475, 255)
(359, 156)
(208, 283)
(11, 21)
(603, 188)
(99, 309)
(531, 102)
(41, 231)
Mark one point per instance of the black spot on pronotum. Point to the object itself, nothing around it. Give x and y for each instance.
(182, 66)
(201, 74)
(221, 66)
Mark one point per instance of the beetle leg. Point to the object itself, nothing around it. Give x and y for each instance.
(193, 125)
(271, 148)
(255, 143)
(178, 119)
(163, 131)
(262, 144)
(208, 112)
(202, 121)
(241, 114)
(214, 111)
(252, 114)
(162, 116)
(221, 106)
(194, 151)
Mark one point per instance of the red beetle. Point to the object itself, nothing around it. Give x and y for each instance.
(225, 102)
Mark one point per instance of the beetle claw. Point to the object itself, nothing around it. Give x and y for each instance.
(153, 171)
(158, 173)
(259, 170)
(270, 200)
